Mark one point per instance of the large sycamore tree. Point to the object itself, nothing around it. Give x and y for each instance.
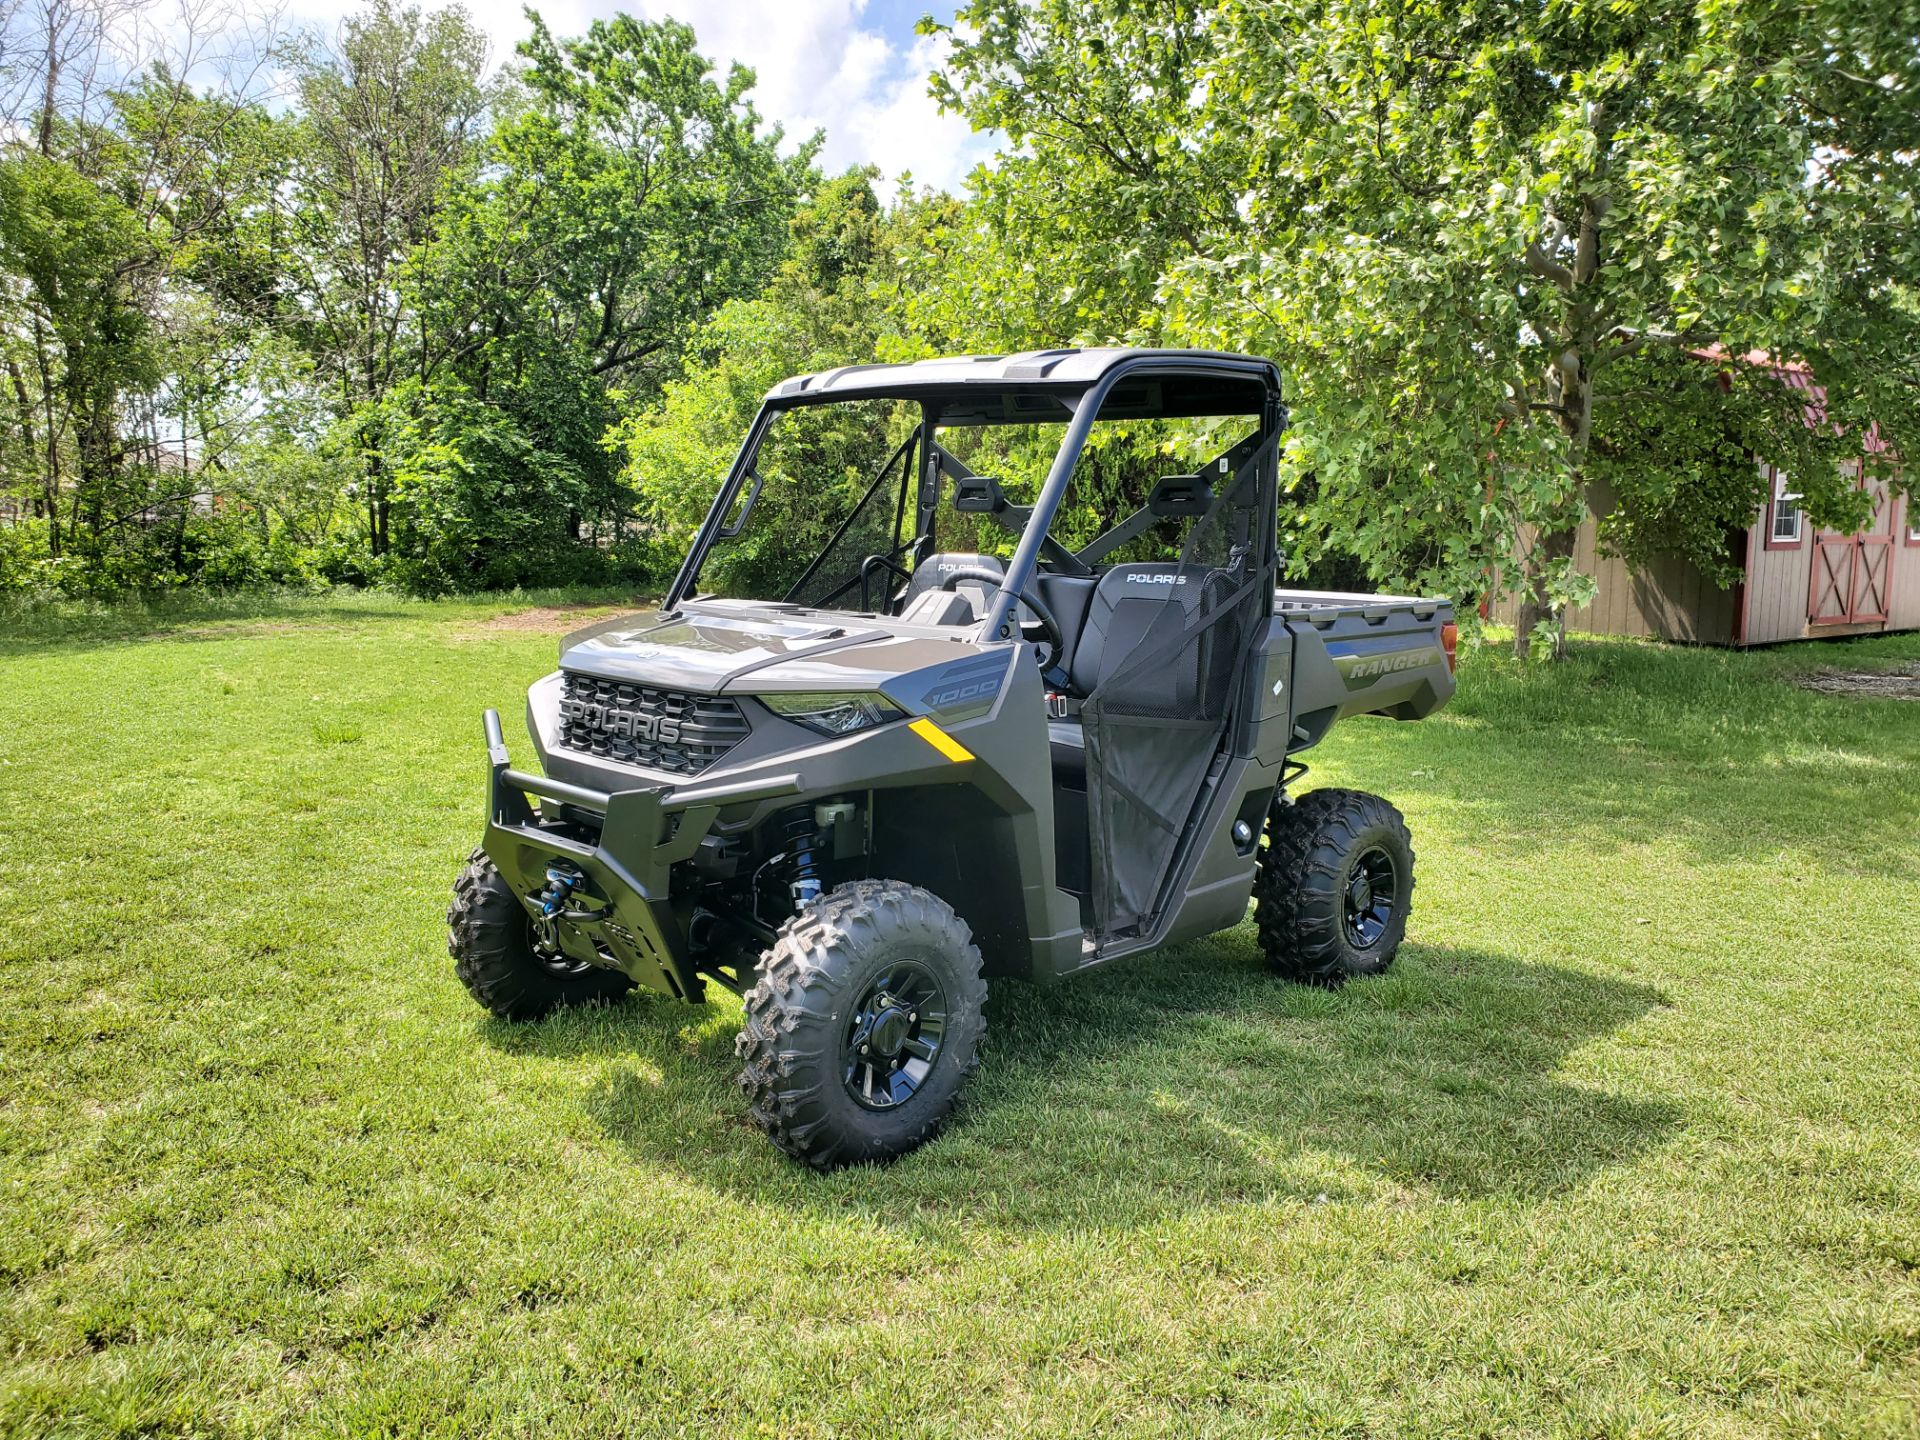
(1489, 241)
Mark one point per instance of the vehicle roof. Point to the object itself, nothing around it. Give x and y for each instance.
(1066, 368)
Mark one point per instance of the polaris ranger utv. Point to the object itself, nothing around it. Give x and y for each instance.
(859, 763)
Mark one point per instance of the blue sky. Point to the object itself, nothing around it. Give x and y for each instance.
(854, 68)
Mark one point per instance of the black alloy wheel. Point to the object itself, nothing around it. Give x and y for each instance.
(894, 1038)
(1371, 889)
(863, 1024)
(1333, 886)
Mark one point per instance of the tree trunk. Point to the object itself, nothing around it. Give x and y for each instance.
(52, 478)
(1535, 605)
(1568, 383)
(50, 96)
(98, 446)
(26, 423)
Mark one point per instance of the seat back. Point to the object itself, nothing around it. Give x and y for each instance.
(935, 568)
(939, 607)
(1069, 597)
(1126, 604)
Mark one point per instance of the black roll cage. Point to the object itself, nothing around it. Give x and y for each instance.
(1082, 400)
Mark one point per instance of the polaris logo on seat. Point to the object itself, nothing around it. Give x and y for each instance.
(617, 724)
(1167, 579)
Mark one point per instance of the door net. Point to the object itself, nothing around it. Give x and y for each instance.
(1154, 723)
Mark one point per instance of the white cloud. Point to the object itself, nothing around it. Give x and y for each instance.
(819, 64)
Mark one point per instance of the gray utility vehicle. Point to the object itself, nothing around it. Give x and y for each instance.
(858, 764)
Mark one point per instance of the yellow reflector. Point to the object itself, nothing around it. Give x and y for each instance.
(940, 740)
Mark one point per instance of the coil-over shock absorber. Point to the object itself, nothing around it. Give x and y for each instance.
(802, 855)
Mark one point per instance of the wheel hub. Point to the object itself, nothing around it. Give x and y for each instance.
(889, 1031)
(895, 1035)
(1368, 907)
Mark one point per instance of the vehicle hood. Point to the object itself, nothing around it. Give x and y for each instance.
(720, 648)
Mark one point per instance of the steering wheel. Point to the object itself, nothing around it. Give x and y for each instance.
(1055, 637)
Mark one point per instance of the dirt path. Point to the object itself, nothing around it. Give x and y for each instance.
(1902, 682)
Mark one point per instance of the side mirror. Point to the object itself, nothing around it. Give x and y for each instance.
(977, 495)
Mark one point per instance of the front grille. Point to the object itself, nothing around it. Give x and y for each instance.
(645, 725)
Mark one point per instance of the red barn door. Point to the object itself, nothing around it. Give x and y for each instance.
(1852, 574)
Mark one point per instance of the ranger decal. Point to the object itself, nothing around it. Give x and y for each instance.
(1362, 662)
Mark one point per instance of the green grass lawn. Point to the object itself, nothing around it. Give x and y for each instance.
(1628, 1143)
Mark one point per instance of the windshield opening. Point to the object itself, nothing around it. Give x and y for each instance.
(1115, 477)
(846, 506)
(827, 490)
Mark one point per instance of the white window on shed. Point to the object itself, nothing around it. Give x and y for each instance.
(1785, 519)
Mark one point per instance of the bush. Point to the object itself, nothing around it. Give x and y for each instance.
(23, 552)
(477, 503)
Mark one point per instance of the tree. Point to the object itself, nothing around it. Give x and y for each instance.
(623, 199)
(128, 178)
(1456, 223)
(389, 117)
(826, 306)
(77, 248)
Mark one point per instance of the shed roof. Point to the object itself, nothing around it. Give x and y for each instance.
(1796, 375)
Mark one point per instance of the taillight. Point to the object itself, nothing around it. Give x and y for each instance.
(1449, 642)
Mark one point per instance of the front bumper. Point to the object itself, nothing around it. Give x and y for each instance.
(620, 917)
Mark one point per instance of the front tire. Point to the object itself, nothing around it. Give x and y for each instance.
(490, 936)
(863, 1026)
(1333, 887)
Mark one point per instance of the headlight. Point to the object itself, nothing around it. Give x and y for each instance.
(833, 714)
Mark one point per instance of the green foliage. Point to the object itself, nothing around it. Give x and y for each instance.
(827, 306)
(1483, 241)
(232, 549)
(1450, 223)
(23, 550)
(395, 321)
(618, 205)
(1675, 446)
(72, 241)
(678, 452)
(476, 503)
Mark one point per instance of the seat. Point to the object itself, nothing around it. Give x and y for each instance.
(938, 607)
(935, 568)
(1126, 604)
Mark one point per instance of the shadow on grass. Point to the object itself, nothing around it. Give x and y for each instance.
(1179, 1083)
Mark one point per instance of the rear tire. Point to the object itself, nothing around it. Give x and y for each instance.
(863, 1026)
(1333, 887)
(490, 936)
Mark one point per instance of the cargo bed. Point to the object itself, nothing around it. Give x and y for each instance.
(1357, 654)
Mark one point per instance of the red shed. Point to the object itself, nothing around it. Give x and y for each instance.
(1797, 582)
